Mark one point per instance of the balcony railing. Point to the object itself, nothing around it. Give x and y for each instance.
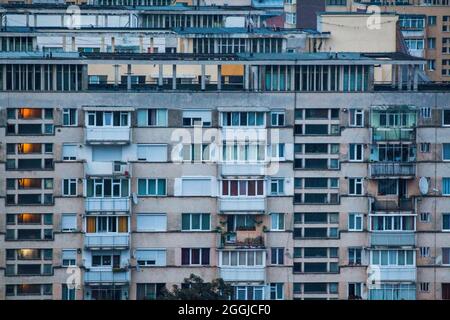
(96, 135)
(243, 273)
(386, 169)
(103, 276)
(236, 204)
(393, 205)
(103, 168)
(107, 204)
(94, 241)
(380, 238)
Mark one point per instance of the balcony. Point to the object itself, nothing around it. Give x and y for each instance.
(393, 205)
(392, 273)
(120, 276)
(106, 135)
(107, 204)
(392, 169)
(243, 169)
(99, 241)
(393, 134)
(236, 204)
(100, 168)
(243, 238)
(395, 239)
(243, 274)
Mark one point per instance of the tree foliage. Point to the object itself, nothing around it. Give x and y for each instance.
(195, 288)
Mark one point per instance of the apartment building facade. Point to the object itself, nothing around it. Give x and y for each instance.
(300, 182)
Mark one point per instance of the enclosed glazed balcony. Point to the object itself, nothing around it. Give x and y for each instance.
(119, 276)
(107, 204)
(395, 239)
(244, 204)
(105, 241)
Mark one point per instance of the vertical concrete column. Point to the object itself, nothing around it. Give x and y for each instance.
(128, 77)
(247, 77)
(116, 75)
(400, 77)
(203, 76)
(416, 78)
(160, 75)
(174, 77)
(219, 77)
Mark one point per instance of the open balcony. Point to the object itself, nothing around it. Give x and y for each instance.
(394, 239)
(237, 204)
(243, 238)
(107, 204)
(108, 135)
(388, 205)
(392, 169)
(113, 168)
(95, 241)
(119, 276)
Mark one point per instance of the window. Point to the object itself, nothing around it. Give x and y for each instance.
(152, 187)
(152, 118)
(242, 258)
(243, 119)
(446, 186)
(354, 290)
(151, 222)
(150, 257)
(425, 147)
(69, 257)
(276, 291)
(446, 117)
(195, 256)
(446, 222)
(67, 292)
(355, 186)
(152, 152)
(70, 117)
(197, 117)
(277, 118)
(354, 256)
(356, 152)
(424, 252)
(278, 150)
(446, 151)
(277, 256)
(149, 291)
(425, 217)
(69, 187)
(356, 118)
(355, 222)
(69, 152)
(276, 186)
(195, 222)
(241, 188)
(196, 152)
(424, 286)
(277, 221)
(68, 222)
(425, 112)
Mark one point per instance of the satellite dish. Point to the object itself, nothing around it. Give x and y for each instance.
(135, 198)
(423, 185)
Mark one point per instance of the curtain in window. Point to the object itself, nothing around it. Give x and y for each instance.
(91, 222)
(123, 224)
